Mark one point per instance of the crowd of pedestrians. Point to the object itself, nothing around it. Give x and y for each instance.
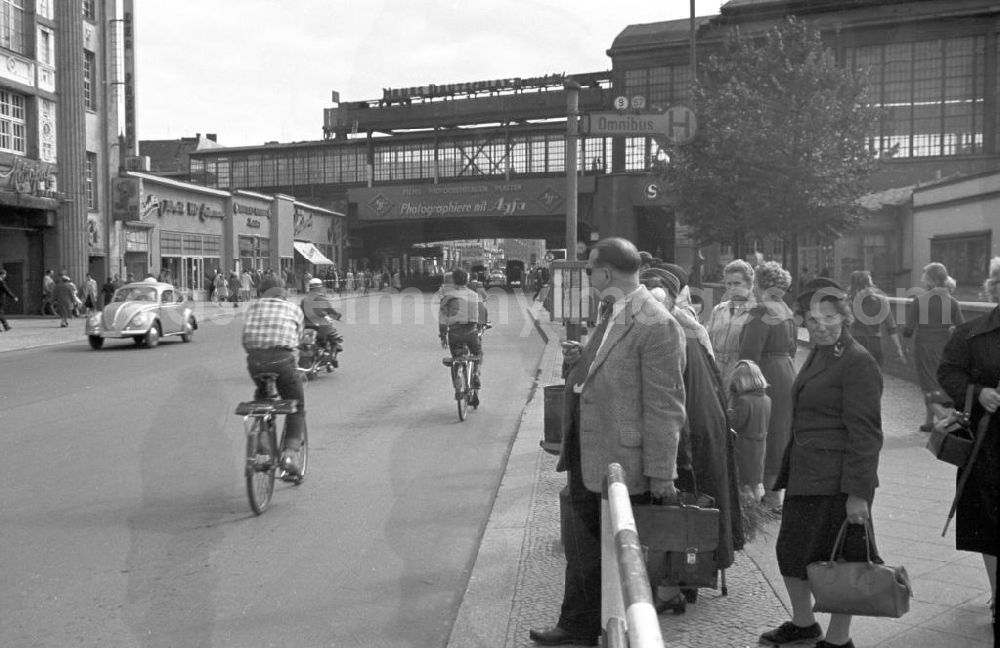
(718, 409)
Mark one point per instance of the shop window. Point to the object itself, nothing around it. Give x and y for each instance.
(966, 256)
(90, 180)
(12, 125)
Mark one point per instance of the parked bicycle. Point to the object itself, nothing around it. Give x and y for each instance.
(465, 376)
(263, 454)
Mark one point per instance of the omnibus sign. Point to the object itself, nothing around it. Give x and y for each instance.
(677, 124)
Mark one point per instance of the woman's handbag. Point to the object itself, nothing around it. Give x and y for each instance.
(951, 438)
(688, 532)
(859, 588)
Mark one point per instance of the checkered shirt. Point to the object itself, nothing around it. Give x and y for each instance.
(272, 323)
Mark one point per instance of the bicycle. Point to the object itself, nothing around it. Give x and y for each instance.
(261, 430)
(464, 367)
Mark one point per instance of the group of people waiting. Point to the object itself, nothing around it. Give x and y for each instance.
(658, 392)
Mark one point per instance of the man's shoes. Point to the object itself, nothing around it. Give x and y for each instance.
(826, 644)
(788, 634)
(476, 383)
(676, 604)
(556, 636)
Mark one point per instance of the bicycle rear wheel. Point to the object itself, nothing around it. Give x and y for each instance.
(462, 396)
(260, 478)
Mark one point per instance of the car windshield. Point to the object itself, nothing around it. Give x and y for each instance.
(135, 293)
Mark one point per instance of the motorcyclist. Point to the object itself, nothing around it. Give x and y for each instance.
(461, 315)
(317, 307)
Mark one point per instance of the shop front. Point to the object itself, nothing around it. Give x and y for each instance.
(28, 204)
(317, 241)
(171, 230)
(252, 223)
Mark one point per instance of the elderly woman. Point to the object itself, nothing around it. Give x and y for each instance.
(872, 316)
(930, 317)
(770, 339)
(972, 358)
(829, 468)
(725, 324)
(706, 456)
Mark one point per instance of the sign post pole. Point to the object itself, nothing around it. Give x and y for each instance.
(572, 137)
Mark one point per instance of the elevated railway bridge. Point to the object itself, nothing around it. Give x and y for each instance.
(438, 163)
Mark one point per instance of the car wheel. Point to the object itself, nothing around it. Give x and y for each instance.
(96, 342)
(152, 337)
(188, 331)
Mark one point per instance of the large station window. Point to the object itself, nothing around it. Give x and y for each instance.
(933, 92)
(661, 86)
(967, 256)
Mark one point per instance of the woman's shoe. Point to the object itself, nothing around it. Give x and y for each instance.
(926, 427)
(677, 604)
(690, 594)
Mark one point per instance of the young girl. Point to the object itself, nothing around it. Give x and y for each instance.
(751, 411)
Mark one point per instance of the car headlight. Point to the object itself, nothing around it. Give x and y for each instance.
(136, 321)
(94, 319)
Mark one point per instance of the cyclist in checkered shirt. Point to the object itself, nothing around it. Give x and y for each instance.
(271, 330)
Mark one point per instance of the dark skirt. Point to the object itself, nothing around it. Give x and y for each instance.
(809, 527)
(928, 345)
(976, 517)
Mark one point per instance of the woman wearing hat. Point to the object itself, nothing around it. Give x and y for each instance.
(770, 338)
(706, 454)
(930, 318)
(829, 466)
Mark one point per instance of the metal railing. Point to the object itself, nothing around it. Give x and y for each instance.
(627, 613)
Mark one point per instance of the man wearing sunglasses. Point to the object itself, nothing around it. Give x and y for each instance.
(624, 403)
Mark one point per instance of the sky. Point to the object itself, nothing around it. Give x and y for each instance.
(254, 71)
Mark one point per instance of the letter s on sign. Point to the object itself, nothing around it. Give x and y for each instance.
(652, 191)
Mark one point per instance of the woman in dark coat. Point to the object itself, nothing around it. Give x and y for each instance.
(706, 459)
(930, 317)
(972, 357)
(829, 470)
(770, 339)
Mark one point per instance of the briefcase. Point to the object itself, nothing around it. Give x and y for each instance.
(688, 532)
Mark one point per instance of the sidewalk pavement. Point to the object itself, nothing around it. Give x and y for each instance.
(516, 583)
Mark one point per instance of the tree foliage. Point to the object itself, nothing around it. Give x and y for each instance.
(781, 144)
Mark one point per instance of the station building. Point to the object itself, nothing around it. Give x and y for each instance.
(447, 161)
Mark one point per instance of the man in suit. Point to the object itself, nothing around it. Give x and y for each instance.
(624, 403)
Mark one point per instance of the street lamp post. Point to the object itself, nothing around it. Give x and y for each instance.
(572, 146)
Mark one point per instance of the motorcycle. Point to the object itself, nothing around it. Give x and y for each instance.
(314, 356)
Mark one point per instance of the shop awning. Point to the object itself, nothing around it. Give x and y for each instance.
(311, 253)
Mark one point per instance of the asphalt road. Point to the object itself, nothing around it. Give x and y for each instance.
(123, 517)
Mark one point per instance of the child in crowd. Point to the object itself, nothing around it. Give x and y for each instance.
(751, 412)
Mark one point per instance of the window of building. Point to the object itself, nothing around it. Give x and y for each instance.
(89, 85)
(88, 10)
(12, 25)
(44, 9)
(12, 127)
(933, 92)
(661, 86)
(46, 46)
(967, 256)
(90, 180)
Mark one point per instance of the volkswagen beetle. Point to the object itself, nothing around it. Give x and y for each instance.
(145, 312)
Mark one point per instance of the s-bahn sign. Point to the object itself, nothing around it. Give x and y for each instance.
(677, 124)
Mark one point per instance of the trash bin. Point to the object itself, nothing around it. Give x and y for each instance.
(554, 395)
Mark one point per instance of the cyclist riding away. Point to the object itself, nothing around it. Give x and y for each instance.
(460, 318)
(272, 327)
(317, 307)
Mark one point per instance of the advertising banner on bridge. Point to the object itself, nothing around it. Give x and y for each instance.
(484, 198)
